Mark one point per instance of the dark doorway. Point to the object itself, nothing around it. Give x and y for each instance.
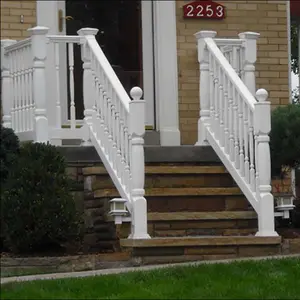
(119, 36)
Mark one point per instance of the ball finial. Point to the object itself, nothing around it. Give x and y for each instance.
(262, 95)
(136, 93)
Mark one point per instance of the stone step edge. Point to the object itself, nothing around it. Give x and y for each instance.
(173, 192)
(197, 216)
(99, 170)
(199, 241)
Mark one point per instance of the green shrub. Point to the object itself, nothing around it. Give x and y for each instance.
(9, 148)
(38, 210)
(285, 138)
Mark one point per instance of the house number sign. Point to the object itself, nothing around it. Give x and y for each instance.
(204, 10)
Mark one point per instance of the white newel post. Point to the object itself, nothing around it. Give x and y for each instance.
(262, 128)
(139, 228)
(39, 53)
(250, 56)
(87, 34)
(204, 114)
(6, 82)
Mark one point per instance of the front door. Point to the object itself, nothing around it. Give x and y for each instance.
(126, 38)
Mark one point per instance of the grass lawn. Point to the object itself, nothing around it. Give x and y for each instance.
(272, 279)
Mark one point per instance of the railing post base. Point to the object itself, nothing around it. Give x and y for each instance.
(266, 220)
(139, 228)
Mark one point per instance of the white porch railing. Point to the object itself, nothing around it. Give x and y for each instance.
(113, 123)
(236, 125)
(231, 120)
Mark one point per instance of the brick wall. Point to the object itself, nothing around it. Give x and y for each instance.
(11, 12)
(266, 17)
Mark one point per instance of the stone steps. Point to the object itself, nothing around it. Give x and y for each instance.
(182, 249)
(183, 224)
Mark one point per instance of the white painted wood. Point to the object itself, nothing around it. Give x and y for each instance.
(39, 53)
(71, 84)
(89, 34)
(235, 115)
(47, 15)
(203, 59)
(262, 128)
(166, 72)
(6, 81)
(137, 130)
(115, 126)
(250, 56)
(148, 61)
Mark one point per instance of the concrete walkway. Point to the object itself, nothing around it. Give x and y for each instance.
(133, 269)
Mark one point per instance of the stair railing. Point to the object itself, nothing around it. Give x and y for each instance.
(236, 125)
(24, 86)
(115, 127)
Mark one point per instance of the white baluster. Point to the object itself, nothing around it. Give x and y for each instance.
(241, 135)
(251, 147)
(262, 126)
(118, 138)
(101, 101)
(30, 92)
(39, 48)
(137, 131)
(221, 108)
(26, 93)
(87, 33)
(72, 88)
(250, 56)
(203, 59)
(18, 92)
(23, 89)
(6, 80)
(217, 100)
(226, 114)
(246, 143)
(58, 106)
(13, 89)
(236, 129)
(114, 130)
(211, 92)
(231, 120)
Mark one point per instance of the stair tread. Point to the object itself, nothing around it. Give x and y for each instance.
(200, 241)
(185, 216)
(168, 192)
(170, 169)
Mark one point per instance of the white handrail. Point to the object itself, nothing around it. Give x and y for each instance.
(110, 73)
(236, 125)
(232, 75)
(116, 126)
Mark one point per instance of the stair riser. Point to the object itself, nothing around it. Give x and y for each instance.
(161, 255)
(171, 181)
(197, 203)
(196, 228)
